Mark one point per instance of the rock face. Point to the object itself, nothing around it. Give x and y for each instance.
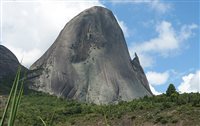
(140, 73)
(8, 68)
(89, 62)
(8, 62)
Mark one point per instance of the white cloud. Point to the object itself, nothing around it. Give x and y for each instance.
(156, 5)
(26, 57)
(191, 83)
(156, 78)
(166, 43)
(29, 28)
(186, 31)
(123, 27)
(167, 40)
(153, 90)
(159, 6)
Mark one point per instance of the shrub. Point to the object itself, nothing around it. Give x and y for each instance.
(166, 105)
(158, 119)
(174, 97)
(175, 120)
(182, 99)
(164, 121)
(170, 90)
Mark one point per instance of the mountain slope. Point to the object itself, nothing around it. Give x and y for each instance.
(8, 68)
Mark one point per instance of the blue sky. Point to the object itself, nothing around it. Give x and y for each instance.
(141, 20)
(165, 34)
(141, 25)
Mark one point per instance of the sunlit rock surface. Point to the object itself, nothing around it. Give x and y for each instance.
(89, 62)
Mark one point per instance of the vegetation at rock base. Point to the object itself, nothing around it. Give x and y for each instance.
(175, 109)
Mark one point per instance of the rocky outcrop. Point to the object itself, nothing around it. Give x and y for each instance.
(8, 68)
(140, 73)
(89, 62)
(8, 62)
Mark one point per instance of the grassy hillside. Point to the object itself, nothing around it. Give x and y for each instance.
(177, 109)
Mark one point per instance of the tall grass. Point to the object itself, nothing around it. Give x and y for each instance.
(51, 119)
(13, 100)
(44, 123)
(105, 117)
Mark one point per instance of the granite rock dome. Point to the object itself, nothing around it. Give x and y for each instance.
(89, 62)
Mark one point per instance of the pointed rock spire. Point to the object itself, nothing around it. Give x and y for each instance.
(140, 72)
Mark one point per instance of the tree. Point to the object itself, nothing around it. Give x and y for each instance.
(170, 90)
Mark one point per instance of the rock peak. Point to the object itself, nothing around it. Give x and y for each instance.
(136, 59)
(136, 55)
(5, 53)
(140, 72)
(89, 62)
(98, 9)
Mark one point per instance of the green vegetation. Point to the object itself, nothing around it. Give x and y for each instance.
(162, 109)
(171, 90)
(13, 101)
(39, 109)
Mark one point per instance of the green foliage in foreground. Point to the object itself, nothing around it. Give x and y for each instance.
(157, 109)
(13, 101)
